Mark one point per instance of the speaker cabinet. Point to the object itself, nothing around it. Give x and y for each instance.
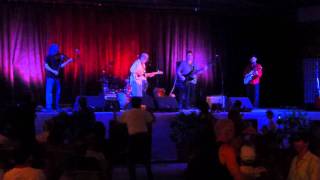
(148, 101)
(167, 104)
(217, 102)
(98, 103)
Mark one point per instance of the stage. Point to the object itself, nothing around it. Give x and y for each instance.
(163, 149)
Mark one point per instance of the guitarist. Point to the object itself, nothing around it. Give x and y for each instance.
(253, 73)
(54, 62)
(138, 77)
(186, 81)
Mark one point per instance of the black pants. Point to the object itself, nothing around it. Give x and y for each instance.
(186, 94)
(253, 93)
(139, 151)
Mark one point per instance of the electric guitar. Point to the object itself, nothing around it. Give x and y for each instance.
(190, 77)
(144, 76)
(249, 76)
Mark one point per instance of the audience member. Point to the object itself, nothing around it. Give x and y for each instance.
(227, 167)
(203, 157)
(305, 165)
(206, 121)
(248, 162)
(84, 118)
(271, 124)
(138, 122)
(23, 169)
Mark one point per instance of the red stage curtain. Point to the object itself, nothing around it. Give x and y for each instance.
(108, 38)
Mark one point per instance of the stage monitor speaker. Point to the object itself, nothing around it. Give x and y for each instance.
(148, 101)
(167, 104)
(95, 102)
(112, 105)
(246, 104)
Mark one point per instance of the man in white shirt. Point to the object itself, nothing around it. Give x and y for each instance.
(138, 122)
(138, 80)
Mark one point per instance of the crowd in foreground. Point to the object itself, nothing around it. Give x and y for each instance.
(74, 147)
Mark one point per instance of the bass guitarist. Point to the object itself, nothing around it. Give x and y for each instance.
(187, 73)
(252, 75)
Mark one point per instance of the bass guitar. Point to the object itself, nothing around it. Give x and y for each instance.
(190, 77)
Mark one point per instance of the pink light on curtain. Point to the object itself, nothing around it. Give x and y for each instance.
(109, 40)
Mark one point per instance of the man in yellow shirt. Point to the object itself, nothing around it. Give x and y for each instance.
(305, 165)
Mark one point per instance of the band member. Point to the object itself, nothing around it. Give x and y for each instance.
(138, 78)
(54, 62)
(186, 81)
(252, 75)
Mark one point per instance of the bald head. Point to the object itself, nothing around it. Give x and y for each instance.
(144, 57)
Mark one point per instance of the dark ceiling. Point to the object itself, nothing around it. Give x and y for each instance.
(220, 6)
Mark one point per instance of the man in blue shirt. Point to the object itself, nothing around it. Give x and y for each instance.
(186, 81)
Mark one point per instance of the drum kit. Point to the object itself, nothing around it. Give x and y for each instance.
(122, 95)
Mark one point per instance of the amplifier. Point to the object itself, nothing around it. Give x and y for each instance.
(217, 101)
(110, 96)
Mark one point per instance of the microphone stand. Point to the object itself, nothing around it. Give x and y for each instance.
(222, 80)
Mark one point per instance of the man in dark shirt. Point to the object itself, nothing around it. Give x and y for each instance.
(54, 62)
(186, 81)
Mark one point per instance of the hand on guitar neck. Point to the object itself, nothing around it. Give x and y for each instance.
(151, 74)
(147, 75)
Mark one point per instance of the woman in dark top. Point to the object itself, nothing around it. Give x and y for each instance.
(228, 167)
(215, 160)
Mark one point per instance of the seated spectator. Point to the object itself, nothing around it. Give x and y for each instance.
(42, 138)
(206, 121)
(204, 152)
(271, 124)
(236, 117)
(85, 117)
(98, 149)
(138, 122)
(305, 165)
(23, 169)
(227, 167)
(248, 162)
